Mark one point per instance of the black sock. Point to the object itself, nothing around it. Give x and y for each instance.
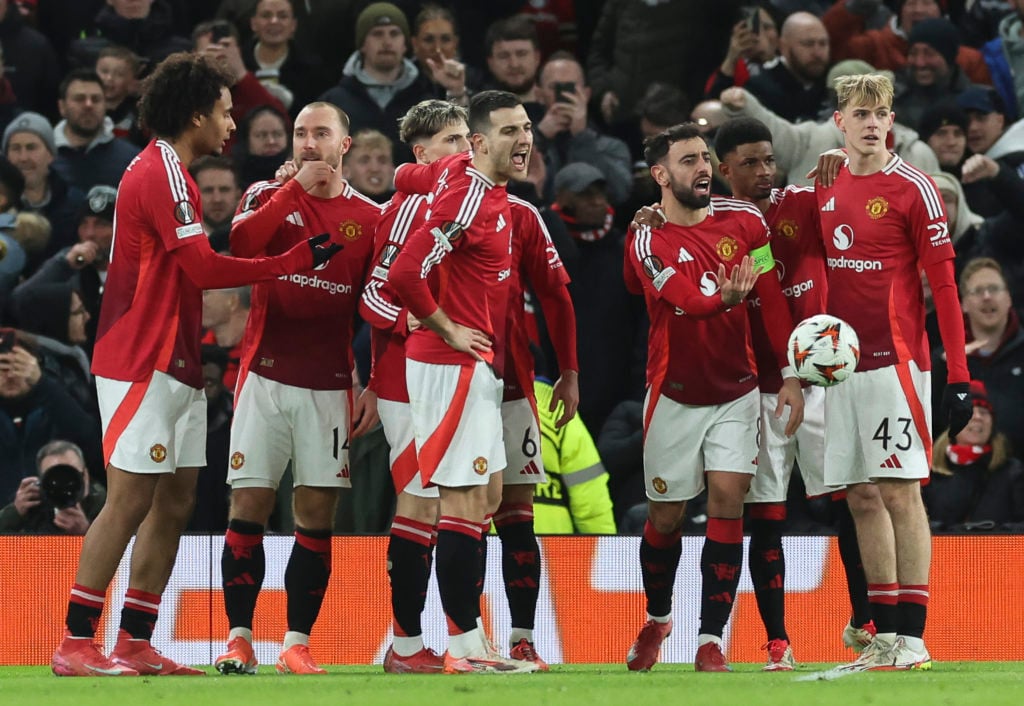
(85, 606)
(458, 568)
(243, 565)
(409, 557)
(138, 617)
(913, 607)
(849, 552)
(659, 559)
(768, 574)
(306, 577)
(720, 564)
(520, 562)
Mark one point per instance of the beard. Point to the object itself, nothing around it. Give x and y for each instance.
(519, 88)
(688, 198)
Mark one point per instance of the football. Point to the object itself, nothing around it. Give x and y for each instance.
(824, 350)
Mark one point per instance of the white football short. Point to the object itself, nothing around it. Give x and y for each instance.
(524, 465)
(683, 441)
(777, 452)
(276, 423)
(456, 417)
(396, 417)
(878, 425)
(154, 426)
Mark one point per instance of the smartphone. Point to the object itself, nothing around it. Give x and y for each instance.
(563, 89)
(219, 31)
(754, 19)
(7, 336)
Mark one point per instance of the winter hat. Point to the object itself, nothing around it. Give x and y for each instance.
(377, 15)
(940, 116)
(938, 33)
(34, 123)
(99, 202)
(979, 395)
(576, 177)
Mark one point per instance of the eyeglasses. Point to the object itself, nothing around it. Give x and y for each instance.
(989, 289)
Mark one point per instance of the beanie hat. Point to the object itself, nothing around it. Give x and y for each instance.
(979, 395)
(940, 116)
(34, 123)
(939, 34)
(376, 15)
(99, 202)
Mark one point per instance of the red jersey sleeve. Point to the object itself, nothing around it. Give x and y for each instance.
(263, 207)
(928, 227)
(416, 178)
(648, 256)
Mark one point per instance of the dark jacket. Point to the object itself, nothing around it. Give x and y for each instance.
(300, 73)
(152, 37)
(784, 94)
(991, 490)
(39, 520)
(30, 63)
(61, 210)
(102, 161)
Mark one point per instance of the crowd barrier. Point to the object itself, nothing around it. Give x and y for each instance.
(591, 601)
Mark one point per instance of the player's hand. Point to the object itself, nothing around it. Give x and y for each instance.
(977, 168)
(829, 163)
(27, 495)
(314, 173)
(364, 413)
(412, 323)
(322, 253)
(734, 98)
(790, 395)
(739, 283)
(468, 340)
(82, 254)
(957, 401)
(566, 392)
(286, 172)
(72, 520)
(653, 216)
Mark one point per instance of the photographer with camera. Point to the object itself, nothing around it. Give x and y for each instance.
(60, 500)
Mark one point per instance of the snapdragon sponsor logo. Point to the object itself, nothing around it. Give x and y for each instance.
(848, 263)
(794, 291)
(316, 283)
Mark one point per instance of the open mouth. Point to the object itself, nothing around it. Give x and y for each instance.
(520, 159)
(702, 186)
(376, 181)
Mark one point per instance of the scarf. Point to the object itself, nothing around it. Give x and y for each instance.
(967, 454)
(585, 232)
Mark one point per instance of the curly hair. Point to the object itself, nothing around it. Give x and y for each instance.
(181, 86)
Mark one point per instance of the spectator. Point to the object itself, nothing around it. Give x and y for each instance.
(29, 144)
(992, 186)
(987, 123)
(35, 408)
(605, 311)
(565, 134)
(379, 84)
(118, 68)
(220, 192)
(31, 514)
(264, 145)
(225, 313)
(931, 74)
(995, 347)
(84, 264)
(247, 93)
(284, 68)
(976, 482)
(210, 515)
(144, 26)
(29, 61)
(944, 128)
(87, 151)
(797, 146)
(8, 100)
(793, 85)
(369, 165)
(1005, 58)
(575, 498)
(435, 46)
(513, 60)
(886, 47)
(747, 54)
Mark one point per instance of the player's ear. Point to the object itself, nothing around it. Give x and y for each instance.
(723, 169)
(346, 144)
(417, 151)
(660, 175)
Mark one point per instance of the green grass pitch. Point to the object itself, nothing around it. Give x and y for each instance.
(952, 683)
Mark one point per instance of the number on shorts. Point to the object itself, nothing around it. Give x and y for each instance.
(905, 439)
(337, 437)
(529, 445)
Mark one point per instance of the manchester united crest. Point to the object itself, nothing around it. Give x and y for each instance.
(659, 485)
(237, 460)
(727, 248)
(786, 228)
(480, 465)
(158, 453)
(351, 230)
(877, 207)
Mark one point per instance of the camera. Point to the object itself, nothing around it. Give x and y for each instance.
(752, 15)
(61, 486)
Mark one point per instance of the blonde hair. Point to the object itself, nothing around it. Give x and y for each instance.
(371, 140)
(864, 89)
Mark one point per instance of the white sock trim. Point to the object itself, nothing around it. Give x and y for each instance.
(240, 632)
(705, 638)
(295, 638)
(407, 645)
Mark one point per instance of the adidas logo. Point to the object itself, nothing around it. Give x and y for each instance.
(295, 219)
(830, 205)
(530, 470)
(684, 255)
(501, 222)
(961, 396)
(891, 462)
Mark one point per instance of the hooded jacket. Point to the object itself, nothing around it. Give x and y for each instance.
(102, 161)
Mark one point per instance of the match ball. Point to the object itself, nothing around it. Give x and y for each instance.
(823, 350)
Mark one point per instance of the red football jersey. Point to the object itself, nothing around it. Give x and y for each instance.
(880, 231)
(299, 331)
(467, 236)
(379, 306)
(702, 359)
(536, 262)
(800, 263)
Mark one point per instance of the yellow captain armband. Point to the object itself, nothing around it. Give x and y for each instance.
(763, 259)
